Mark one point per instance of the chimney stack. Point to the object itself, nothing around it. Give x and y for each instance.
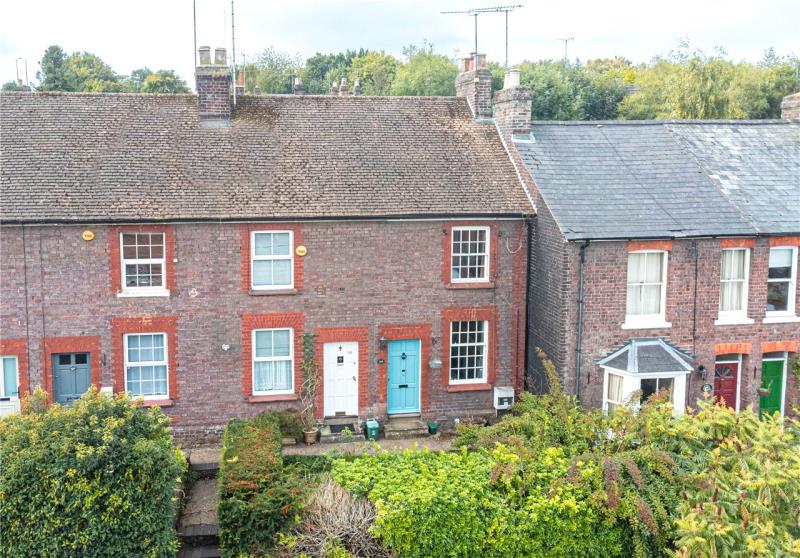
(357, 87)
(334, 89)
(512, 107)
(343, 88)
(476, 85)
(240, 84)
(297, 86)
(256, 91)
(213, 84)
(790, 107)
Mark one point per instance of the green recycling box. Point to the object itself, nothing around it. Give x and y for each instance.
(373, 427)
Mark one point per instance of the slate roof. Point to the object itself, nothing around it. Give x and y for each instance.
(123, 157)
(648, 355)
(668, 178)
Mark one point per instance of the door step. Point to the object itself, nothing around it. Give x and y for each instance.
(335, 430)
(204, 461)
(398, 427)
(198, 525)
(206, 551)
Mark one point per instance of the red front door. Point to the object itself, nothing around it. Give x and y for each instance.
(725, 374)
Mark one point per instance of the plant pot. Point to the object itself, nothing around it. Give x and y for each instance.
(764, 392)
(310, 436)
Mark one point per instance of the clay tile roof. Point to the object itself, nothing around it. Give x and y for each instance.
(73, 157)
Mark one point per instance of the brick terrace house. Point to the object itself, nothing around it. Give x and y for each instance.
(177, 247)
(664, 255)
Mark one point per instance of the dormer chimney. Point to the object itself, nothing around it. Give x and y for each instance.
(213, 84)
(297, 86)
(476, 85)
(512, 106)
(790, 107)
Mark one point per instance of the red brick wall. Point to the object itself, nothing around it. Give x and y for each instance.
(356, 274)
(605, 294)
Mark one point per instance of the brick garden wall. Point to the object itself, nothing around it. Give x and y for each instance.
(356, 275)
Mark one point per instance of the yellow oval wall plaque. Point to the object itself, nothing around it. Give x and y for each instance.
(87, 235)
(301, 250)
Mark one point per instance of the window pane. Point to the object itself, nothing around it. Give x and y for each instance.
(636, 268)
(272, 375)
(263, 343)
(614, 388)
(262, 273)
(732, 266)
(282, 272)
(651, 299)
(10, 377)
(281, 342)
(780, 263)
(731, 298)
(778, 296)
(649, 387)
(81, 358)
(280, 244)
(634, 303)
(654, 267)
(263, 244)
(665, 383)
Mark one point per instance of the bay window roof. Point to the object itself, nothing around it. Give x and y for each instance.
(648, 355)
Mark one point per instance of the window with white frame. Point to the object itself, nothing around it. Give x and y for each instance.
(273, 361)
(10, 385)
(271, 260)
(614, 391)
(146, 365)
(469, 342)
(143, 263)
(647, 285)
(651, 386)
(734, 266)
(782, 281)
(469, 254)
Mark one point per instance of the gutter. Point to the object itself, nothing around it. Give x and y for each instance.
(579, 345)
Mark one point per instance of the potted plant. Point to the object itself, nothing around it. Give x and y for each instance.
(308, 390)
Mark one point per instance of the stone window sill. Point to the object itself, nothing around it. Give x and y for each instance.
(271, 398)
(646, 325)
(143, 294)
(455, 388)
(734, 321)
(782, 319)
(475, 285)
(276, 292)
(158, 403)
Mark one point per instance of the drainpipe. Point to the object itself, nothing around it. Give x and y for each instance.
(579, 346)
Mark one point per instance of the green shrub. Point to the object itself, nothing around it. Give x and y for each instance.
(98, 479)
(257, 496)
(290, 424)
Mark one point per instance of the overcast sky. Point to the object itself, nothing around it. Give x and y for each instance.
(158, 33)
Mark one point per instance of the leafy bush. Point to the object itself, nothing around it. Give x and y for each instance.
(98, 479)
(290, 424)
(257, 496)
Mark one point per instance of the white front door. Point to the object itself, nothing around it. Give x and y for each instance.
(340, 363)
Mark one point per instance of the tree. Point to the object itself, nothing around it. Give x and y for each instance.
(321, 70)
(164, 81)
(92, 74)
(273, 71)
(53, 74)
(134, 82)
(425, 73)
(376, 70)
(9, 86)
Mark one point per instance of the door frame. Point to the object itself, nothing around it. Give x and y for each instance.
(357, 334)
(738, 362)
(419, 379)
(785, 360)
(358, 376)
(399, 332)
(77, 344)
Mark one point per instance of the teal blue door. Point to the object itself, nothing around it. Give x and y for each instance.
(71, 377)
(403, 396)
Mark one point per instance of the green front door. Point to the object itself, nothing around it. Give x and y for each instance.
(71, 377)
(772, 379)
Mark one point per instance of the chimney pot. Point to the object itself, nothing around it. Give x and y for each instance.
(220, 56)
(297, 87)
(357, 87)
(205, 55)
(334, 89)
(512, 79)
(343, 88)
(256, 90)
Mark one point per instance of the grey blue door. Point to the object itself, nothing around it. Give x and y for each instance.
(403, 390)
(71, 376)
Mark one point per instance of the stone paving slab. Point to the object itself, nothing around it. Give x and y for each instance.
(199, 518)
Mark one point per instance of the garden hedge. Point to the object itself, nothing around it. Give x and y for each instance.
(98, 479)
(257, 496)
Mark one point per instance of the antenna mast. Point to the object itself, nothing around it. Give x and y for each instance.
(566, 42)
(233, 53)
(494, 9)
